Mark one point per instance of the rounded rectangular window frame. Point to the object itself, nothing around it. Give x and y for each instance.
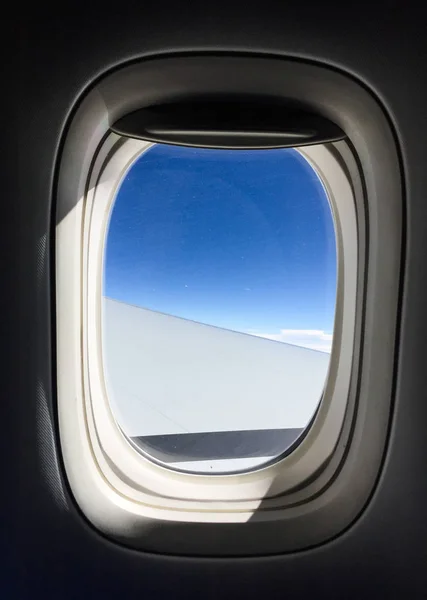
(279, 476)
(125, 494)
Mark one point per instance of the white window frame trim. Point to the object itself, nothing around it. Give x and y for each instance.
(143, 481)
(334, 497)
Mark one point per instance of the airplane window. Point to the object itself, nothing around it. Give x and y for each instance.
(219, 293)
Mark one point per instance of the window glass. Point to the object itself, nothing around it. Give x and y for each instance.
(219, 295)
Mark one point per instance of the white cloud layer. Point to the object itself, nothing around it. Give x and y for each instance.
(316, 339)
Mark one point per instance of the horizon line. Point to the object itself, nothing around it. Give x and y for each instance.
(259, 337)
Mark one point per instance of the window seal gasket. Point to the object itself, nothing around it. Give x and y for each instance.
(116, 447)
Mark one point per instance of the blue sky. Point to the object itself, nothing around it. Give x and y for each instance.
(237, 239)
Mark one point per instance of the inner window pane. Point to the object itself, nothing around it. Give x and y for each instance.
(218, 304)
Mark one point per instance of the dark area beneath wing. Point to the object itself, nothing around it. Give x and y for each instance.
(217, 445)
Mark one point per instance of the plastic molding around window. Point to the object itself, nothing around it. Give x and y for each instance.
(319, 488)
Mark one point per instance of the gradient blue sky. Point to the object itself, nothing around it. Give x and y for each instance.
(237, 239)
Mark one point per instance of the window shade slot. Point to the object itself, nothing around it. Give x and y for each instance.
(233, 125)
